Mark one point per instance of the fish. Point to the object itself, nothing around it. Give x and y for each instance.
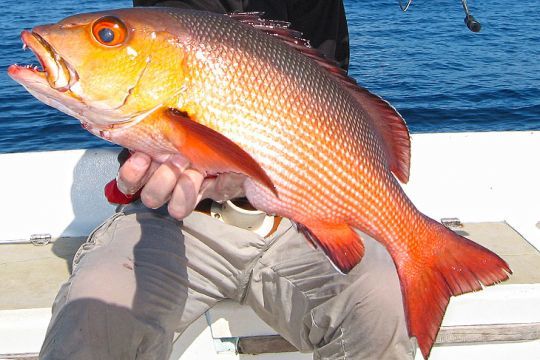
(237, 93)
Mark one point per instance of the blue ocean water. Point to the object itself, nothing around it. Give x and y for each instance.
(438, 74)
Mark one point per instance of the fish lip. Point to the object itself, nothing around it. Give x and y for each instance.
(60, 75)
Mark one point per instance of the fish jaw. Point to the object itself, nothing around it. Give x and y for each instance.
(59, 74)
(36, 83)
(52, 83)
(57, 84)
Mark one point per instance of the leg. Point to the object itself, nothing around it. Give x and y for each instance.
(139, 279)
(299, 293)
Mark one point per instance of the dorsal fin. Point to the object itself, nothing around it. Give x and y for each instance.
(387, 121)
(392, 128)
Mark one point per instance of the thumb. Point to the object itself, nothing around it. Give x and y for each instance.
(224, 187)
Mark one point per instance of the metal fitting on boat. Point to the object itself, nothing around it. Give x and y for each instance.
(40, 239)
(452, 223)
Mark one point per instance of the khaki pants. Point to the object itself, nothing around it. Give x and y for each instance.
(142, 276)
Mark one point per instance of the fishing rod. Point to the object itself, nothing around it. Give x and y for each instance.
(470, 21)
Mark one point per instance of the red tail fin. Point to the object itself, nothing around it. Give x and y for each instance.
(454, 265)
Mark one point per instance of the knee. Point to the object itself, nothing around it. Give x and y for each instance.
(365, 319)
(370, 304)
(372, 326)
(107, 281)
(375, 299)
(378, 287)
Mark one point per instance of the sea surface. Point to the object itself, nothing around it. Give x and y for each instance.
(438, 74)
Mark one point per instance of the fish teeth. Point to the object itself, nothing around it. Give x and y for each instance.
(24, 46)
(32, 67)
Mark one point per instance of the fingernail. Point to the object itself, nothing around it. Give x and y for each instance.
(149, 200)
(179, 162)
(139, 161)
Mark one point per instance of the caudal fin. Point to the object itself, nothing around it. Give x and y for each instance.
(452, 265)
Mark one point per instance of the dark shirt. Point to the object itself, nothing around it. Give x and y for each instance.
(322, 22)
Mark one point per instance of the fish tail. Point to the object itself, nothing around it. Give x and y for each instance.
(449, 265)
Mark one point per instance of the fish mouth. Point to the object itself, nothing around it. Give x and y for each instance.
(56, 83)
(58, 73)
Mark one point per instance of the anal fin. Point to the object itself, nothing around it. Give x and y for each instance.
(340, 243)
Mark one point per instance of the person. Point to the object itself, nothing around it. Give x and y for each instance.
(157, 265)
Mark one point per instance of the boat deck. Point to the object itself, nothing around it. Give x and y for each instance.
(32, 274)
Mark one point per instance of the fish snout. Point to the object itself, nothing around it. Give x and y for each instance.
(42, 30)
(59, 73)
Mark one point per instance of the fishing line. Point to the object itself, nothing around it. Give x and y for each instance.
(406, 7)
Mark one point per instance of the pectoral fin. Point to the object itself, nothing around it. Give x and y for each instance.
(211, 151)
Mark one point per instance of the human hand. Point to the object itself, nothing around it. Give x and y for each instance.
(175, 182)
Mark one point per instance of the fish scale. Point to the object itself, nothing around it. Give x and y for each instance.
(288, 119)
(240, 94)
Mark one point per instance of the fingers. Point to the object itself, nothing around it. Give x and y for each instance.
(160, 185)
(185, 196)
(174, 183)
(134, 173)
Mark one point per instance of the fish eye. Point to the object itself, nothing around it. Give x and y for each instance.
(109, 31)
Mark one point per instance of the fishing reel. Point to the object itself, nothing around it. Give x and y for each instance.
(470, 21)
